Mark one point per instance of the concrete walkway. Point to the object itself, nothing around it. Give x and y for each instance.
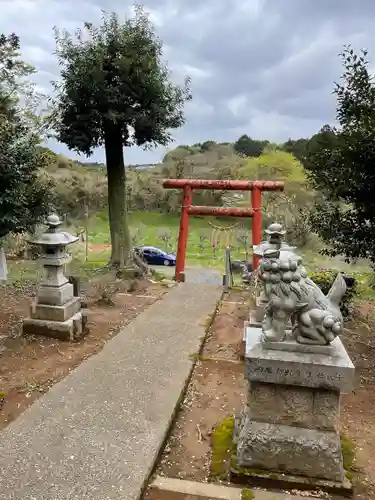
(194, 274)
(95, 435)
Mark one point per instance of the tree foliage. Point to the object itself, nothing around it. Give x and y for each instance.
(23, 195)
(115, 92)
(18, 93)
(341, 165)
(249, 147)
(275, 165)
(297, 148)
(113, 75)
(289, 207)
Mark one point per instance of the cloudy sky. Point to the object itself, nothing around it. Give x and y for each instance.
(261, 67)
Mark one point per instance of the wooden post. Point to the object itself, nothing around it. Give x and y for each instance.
(227, 269)
(256, 204)
(86, 232)
(183, 234)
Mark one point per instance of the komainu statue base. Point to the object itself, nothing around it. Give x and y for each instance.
(291, 421)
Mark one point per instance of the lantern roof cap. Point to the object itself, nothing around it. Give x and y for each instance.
(53, 237)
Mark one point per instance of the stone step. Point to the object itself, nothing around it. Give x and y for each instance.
(217, 492)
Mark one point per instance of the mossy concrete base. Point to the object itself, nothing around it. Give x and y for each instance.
(276, 479)
(224, 466)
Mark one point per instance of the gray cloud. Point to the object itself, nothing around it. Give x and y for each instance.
(261, 67)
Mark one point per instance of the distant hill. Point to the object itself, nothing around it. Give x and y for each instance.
(80, 184)
(102, 165)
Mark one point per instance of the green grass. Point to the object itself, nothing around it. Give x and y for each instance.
(145, 227)
(29, 272)
(221, 448)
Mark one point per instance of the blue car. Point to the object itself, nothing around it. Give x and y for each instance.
(156, 257)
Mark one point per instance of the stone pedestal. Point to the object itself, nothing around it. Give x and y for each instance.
(253, 329)
(56, 313)
(260, 308)
(291, 422)
(254, 324)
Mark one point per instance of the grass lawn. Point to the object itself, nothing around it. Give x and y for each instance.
(146, 229)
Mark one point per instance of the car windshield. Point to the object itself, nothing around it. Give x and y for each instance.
(153, 251)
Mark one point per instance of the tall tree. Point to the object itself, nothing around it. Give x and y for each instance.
(115, 92)
(249, 147)
(297, 147)
(341, 165)
(18, 92)
(24, 197)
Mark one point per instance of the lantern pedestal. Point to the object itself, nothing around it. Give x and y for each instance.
(56, 312)
(70, 330)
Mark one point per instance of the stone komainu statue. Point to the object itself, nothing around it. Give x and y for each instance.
(316, 318)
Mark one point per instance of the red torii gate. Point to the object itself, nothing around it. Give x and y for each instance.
(256, 188)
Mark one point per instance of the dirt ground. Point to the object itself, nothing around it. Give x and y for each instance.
(30, 365)
(358, 408)
(217, 390)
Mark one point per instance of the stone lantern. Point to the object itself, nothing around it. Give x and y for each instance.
(275, 240)
(56, 312)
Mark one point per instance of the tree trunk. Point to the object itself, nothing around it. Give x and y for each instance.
(118, 221)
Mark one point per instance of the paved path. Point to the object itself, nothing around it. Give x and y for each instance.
(194, 274)
(95, 435)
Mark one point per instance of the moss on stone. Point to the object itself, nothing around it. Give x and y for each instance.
(248, 471)
(199, 357)
(247, 494)
(222, 446)
(348, 453)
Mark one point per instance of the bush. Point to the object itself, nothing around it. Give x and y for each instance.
(324, 279)
(62, 162)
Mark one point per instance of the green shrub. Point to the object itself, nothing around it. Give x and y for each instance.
(62, 162)
(247, 494)
(371, 279)
(348, 455)
(324, 278)
(222, 444)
